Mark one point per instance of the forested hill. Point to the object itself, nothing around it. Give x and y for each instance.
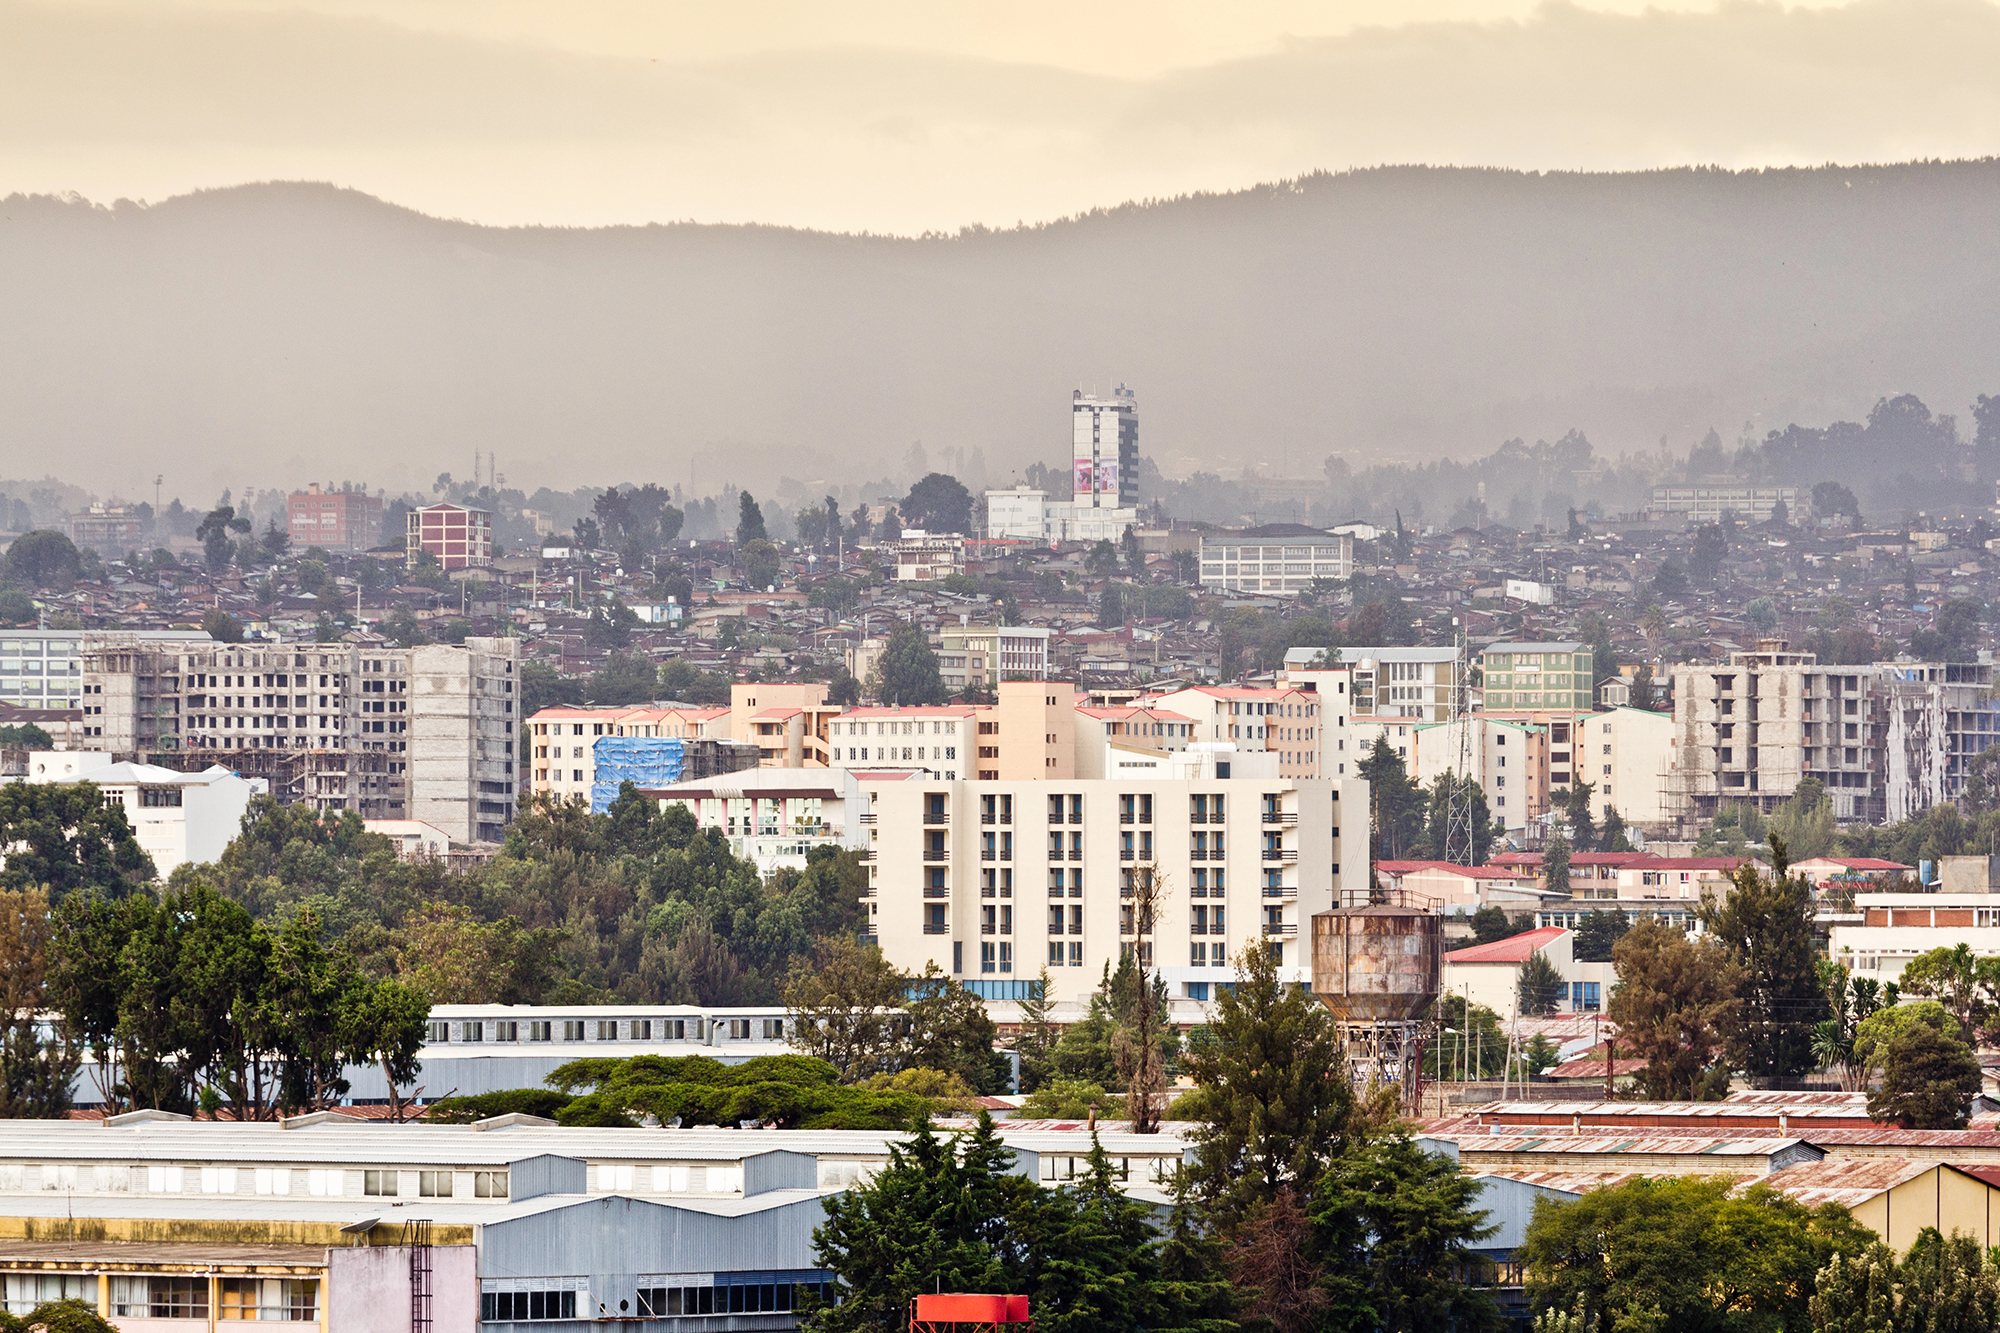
(270, 333)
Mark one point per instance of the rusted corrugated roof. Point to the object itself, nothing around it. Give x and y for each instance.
(1666, 1145)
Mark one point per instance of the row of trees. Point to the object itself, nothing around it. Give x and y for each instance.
(185, 1002)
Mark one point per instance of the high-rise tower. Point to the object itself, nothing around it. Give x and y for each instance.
(1104, 450)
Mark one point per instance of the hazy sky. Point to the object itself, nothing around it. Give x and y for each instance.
(902, 115)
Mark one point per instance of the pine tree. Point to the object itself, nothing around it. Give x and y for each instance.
(1766, 925)
(1270, 1115)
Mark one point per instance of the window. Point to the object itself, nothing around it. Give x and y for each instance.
(607, 1029)
(539, 1031)
(292, 1299)
(434, 1184)
(149, 1297)
(573, 1029)
(739, 1029)
(379, 1183)
(514, 1306)
(438, 1030)
(642, 1029)
(489, 1184)
(27, 1290)
(157, 798)
(472, 1032)
(507, 1030)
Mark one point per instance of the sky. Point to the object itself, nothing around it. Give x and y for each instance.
(912, 115)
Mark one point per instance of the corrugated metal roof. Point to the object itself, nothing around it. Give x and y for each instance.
(1566, 1145)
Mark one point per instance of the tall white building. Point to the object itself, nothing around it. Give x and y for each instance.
(993, 881)
(1104, 450)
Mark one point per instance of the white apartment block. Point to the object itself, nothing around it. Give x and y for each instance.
(1281, 558)
(992, 881)
(1285, 722)
(1099, 731)
(926, 557)
(1628, 754)
(1022, 514)
(938, 740)
(1884, 931)
(425, 733)
(775, 817)
(177, 818)
(981, 656)
(1696, 505)
(1508, 759)
(1371, 692)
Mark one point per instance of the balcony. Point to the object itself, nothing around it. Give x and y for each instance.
(868, 819)
(936, 817)
(1274, 928)
(936, 928)
(986, 818)
(936, 854)
(1076, 853)
(987, 854)
(933, 891)
(1076, 927)
(987, 928)
(1283, 855)
(866, 854)
(1125, 854)
(1283, 818)
(1127, 818)
(1284, 891)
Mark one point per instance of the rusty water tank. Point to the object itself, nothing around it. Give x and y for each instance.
(1378, 961)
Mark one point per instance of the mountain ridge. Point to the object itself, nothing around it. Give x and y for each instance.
(242, 334)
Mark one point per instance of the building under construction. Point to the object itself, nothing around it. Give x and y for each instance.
(424, 733)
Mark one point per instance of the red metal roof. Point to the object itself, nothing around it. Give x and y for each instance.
(1513, 949)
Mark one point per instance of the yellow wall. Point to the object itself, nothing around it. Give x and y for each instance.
(1941, 1198)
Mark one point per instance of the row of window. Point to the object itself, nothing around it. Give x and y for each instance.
(172, 1296)
(432, 1184)
(604, 1029)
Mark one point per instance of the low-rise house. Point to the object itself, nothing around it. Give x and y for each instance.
(1490, 974)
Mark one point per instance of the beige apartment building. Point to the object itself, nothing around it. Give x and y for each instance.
(994, 880)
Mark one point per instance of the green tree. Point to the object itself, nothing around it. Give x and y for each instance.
(945, 1027)
(1102, 561)
(1576, 811)
(760, 562)
(1959, 980)
(64, 1316)
(1490, 924)
(939, 503)
(25, 736)
(218, 547)
(1805, 820)
(921, 1224)
(38, 1062)
(1766, 924)
(42, 559)
(891, 527)
(65, 837)
(219, 625)
(907, 671)
(749, 520)
(1394, 1228)
(1267, 1116)
(1470, 845)
(1555, 862)
(1928, 1081)
(1692, 1252)
(1597, 934)
(1674, 1002)
(1396, 803)
(1763, 614)
(1874, 1033)
(1539, 988)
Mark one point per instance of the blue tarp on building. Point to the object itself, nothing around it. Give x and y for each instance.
(644, 761)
